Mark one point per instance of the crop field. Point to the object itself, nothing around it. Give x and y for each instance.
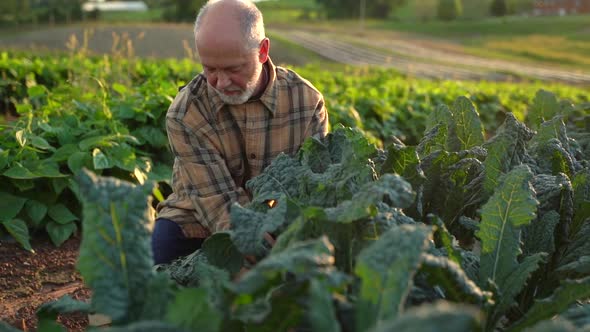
(143, 40)
(452, 192)
(458, 201)
(543, 41)
(548, 57)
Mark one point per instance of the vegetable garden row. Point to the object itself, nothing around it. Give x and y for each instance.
(463, 205)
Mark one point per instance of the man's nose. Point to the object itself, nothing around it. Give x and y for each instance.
(223, 81)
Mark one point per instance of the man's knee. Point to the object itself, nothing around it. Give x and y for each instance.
(169, 242)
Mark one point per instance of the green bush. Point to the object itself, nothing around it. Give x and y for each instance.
(183, 10)
(449, 10)
(519, 6)
(425, 10)
(351, 8)
(498, 8)
(16, 12)
(475, 9)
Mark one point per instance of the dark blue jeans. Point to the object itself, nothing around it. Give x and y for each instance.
(169, 243)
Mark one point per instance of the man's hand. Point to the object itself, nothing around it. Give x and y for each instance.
(270, 240)
(252, 259)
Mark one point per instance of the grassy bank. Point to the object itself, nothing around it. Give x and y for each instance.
(563, 41)
(550, 41)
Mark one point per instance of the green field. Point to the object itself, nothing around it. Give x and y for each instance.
(281, 12)
(152, 15)
(287, 53)
(573, 27)
(551, 40)
(462, 202)
(546, 41)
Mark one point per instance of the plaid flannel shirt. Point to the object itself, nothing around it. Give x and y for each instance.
(218, 147)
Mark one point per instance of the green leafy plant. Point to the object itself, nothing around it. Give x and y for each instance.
(347, 256)
(479, 229)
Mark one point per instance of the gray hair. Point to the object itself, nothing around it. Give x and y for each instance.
(251, 22)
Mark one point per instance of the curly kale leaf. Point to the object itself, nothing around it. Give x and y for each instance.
(302, 261)
(555, 213)
(115, 255)
(386, 269)
(505, 150)
(466, 129)
(568, 293)
(249, 226)
(581, 187)
(455, 284)
(576, 253)
(435, 317)
(323, 174)
(389, 188)
(434, 140)
(545, 106)
(512, 207)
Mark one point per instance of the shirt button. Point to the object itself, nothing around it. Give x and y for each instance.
(252, 156)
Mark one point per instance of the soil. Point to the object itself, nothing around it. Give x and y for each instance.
(28, 280)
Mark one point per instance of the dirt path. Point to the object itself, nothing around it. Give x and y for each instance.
(420, 59)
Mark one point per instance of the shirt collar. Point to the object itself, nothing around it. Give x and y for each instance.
(268, 97)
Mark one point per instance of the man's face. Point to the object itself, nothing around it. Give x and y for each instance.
(232, 69)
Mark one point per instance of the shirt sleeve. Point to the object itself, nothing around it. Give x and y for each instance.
(201, 173)
(318, 127)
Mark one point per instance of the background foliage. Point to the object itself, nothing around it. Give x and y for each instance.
(68, 117)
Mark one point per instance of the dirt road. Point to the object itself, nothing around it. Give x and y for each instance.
(420, 58)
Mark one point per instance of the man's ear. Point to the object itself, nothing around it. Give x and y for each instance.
(264, 49)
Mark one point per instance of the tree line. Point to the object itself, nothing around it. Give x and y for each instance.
(40, 11)
(66, 11)
(185, 10)
(426, 9)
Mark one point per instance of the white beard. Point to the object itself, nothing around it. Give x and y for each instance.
(236, 99)
(245, 95)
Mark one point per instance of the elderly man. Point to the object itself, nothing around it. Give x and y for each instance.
(228, 124)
